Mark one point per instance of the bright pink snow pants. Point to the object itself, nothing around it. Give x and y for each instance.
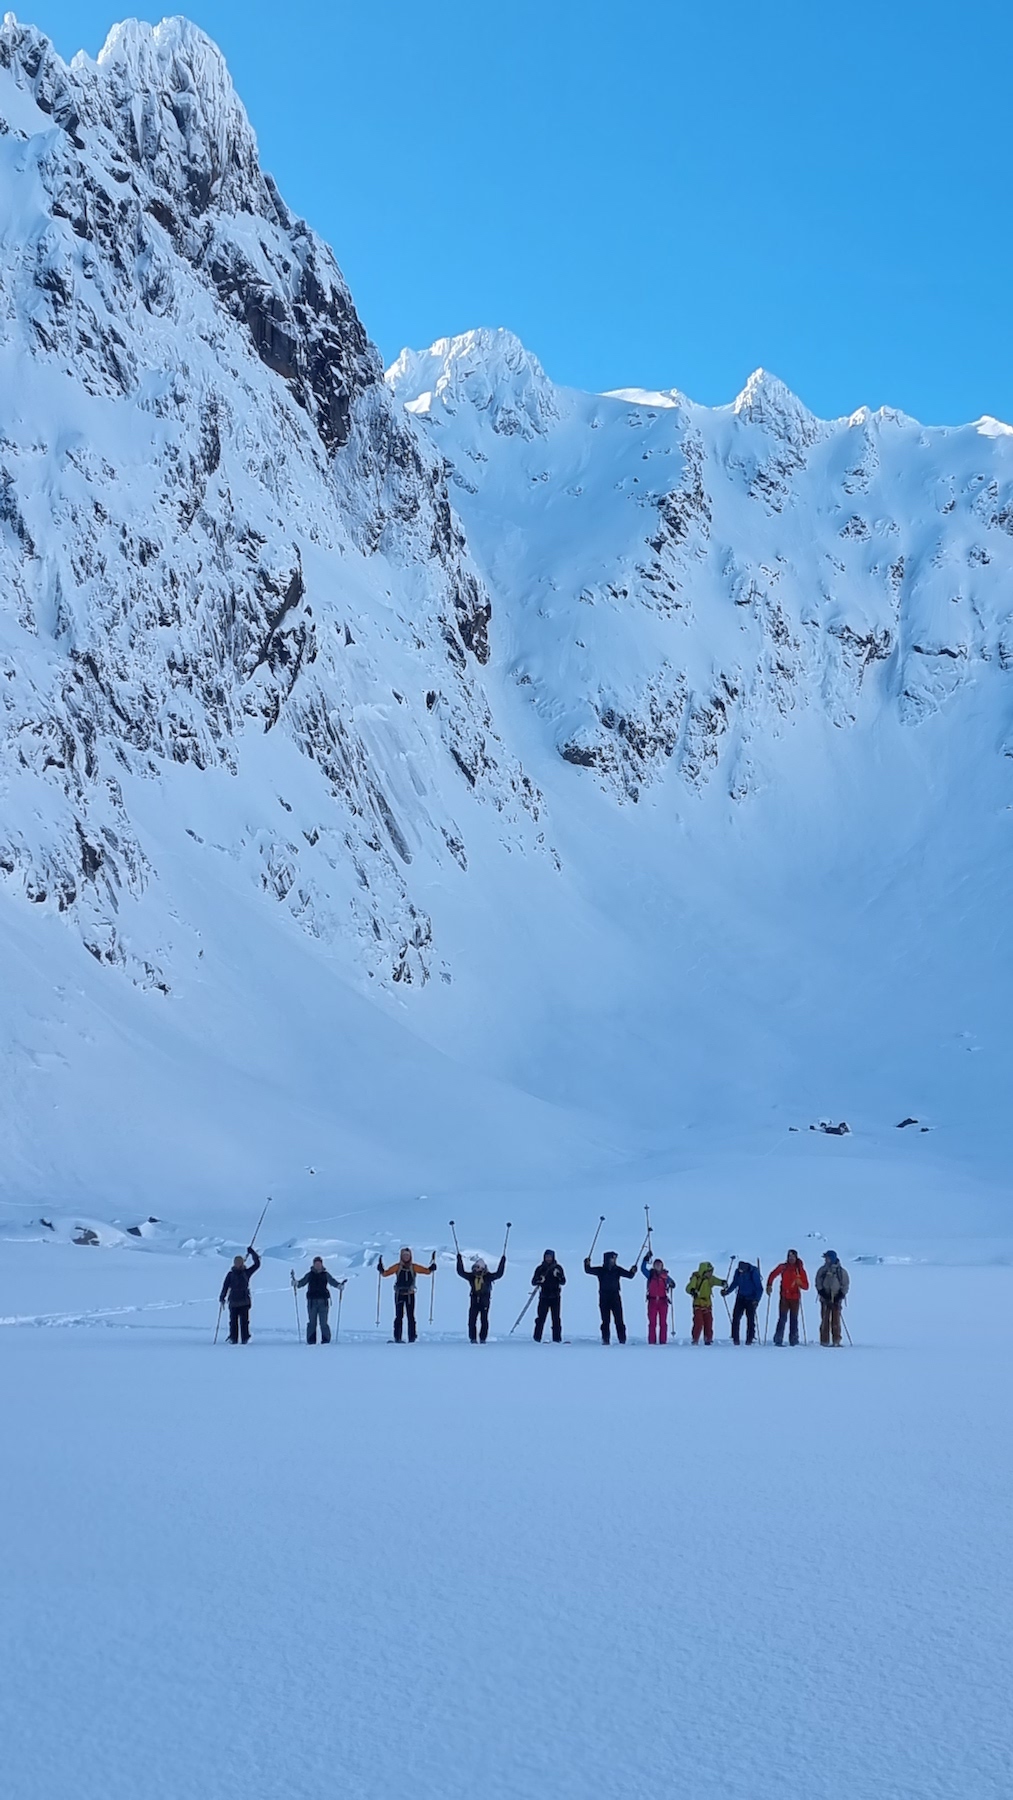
(657, 1320)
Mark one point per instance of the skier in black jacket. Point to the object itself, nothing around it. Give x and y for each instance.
(550, 1280)
(610, 1304)
(318, 1282)
(481, 1278)
(236, 1290)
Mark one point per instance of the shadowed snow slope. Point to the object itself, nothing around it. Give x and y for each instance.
(456, 782)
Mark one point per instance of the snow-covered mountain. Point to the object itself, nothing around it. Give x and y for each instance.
(458, 782)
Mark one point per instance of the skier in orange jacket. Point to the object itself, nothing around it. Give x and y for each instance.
(404, 1290)
(793, 1280)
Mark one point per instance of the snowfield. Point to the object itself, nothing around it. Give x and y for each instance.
(736, 1574)
(444, 795)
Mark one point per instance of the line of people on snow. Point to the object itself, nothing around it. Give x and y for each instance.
(548, 1281)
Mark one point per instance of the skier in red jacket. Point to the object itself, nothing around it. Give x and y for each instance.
(793, 1280)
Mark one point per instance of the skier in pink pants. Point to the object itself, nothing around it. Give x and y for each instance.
(659, 1286)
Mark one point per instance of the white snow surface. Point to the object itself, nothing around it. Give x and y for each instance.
(460, 786)
(741, 1574)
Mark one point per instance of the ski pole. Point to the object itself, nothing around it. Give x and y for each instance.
(647, 1215)
(341, 1296)
(724, 1296)
(432, 1288)
(523, 1310)
(594, 1240)
(260, 1222)
(766, 1321)
(801, 1314)
(379, 1284)
(847, 1333)
(221, 1303)
(506, 1236)
(457, 1246)
(295, 1302)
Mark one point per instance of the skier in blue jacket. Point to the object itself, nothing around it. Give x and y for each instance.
(747, 1286)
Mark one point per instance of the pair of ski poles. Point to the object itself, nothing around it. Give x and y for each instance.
(250, 1246)
(295, 1302)
(379, 1289)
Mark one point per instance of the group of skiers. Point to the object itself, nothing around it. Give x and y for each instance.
(547, 1283)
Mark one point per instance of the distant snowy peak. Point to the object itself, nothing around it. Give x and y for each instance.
(489, 371)
(767, 402)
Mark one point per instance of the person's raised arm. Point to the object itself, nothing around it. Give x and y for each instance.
(461, 1270)
(500, 1269)
(256, 1260)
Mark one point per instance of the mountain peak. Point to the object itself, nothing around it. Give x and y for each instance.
(766, 401)
(488, 369)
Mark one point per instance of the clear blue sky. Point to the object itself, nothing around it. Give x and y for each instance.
(653, 192)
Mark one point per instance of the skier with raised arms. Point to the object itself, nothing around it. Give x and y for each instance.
(405, 1270)
(236, 1290)
(610, 1275)
(480, 1279)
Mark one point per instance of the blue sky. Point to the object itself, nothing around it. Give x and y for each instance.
(656, 194)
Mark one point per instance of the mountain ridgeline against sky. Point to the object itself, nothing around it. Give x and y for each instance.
(449, 779)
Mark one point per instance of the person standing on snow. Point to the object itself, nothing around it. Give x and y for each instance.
(747, 1286)
(659, 1287)
(610, 1303)
(794, 1281)
(318, 1282)
(236, 1290)
(481, 1278)
(550, 1280)
(700, 1288)
(405, 1271)
(832, 1284)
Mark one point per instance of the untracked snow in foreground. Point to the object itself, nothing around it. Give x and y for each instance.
(736, 1575)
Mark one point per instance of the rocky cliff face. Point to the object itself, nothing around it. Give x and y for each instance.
(215, 523)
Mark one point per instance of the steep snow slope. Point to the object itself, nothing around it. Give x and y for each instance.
(318, 843)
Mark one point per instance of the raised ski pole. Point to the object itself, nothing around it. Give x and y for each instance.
(594, 1240)
(341, 1295)
(506, 1235)
(295, 1303)
(432, 1288)
(260, 1222)
(523, 1310)
(457, 1246)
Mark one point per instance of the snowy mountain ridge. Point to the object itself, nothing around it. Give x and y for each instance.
(798, 553)
(455, 781)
